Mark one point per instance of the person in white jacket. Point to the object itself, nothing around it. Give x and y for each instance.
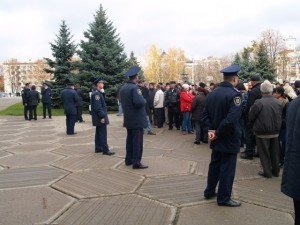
(159, 106)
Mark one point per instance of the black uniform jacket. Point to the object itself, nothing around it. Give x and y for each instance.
(99, 109)
(70, 99)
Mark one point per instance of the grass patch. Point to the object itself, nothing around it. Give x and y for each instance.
(18, 110)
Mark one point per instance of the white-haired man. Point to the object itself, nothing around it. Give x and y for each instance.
(265, 117)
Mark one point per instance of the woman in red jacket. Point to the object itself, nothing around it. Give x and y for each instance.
(186, 100)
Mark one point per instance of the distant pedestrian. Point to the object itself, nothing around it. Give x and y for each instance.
(70, 99)
(159, 106)
(100, 119)
(265, 118)
(34, 100)
(25, 100)
(46, 100)
(152, 92)
(172, 99)
(291, 171)
(186, 99)
(79, 103)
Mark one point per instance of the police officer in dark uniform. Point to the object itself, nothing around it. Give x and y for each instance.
(222, 114)
(70, 99)
(172, 99)
(25, 99)
(135, 118)
(79, 104)
(46, 100)
(100, 119)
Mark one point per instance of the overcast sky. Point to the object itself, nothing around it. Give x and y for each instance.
(200, 28)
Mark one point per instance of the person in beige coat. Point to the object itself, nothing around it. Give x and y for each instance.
(159, 106)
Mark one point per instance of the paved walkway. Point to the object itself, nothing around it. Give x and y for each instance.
(47, 177)
(5, 102)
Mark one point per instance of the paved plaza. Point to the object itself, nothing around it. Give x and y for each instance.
(47, 177)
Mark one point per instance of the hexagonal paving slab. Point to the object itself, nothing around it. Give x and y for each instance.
(118, 210)
(8, 137)
(178, 190)
(39, 139)
(85, 162)
(247, 214)
(76, 140)
(29, 147)
(26, 177)
(32, 205)
(243, 170)
(265, 192)
(4, 154)
(76, 150)
(98, 183)
(161, 166)
(29, 159)
(147, 152)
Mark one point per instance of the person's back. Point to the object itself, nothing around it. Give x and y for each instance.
(70, 99)
(34, 98)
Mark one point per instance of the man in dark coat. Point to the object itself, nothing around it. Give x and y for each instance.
(172, 100)
(100, 119)
(79, 104)
(152, 92)
(34, 100)
(135, 118)
(221, 115)
(197, 113)
(25, 100)
(70, 99)
(291, 171)
(46, 100)
(297, 87)
(253, 95)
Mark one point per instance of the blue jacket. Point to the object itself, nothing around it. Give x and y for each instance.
(133, 104)
(46, 95)
(70, 99)
(222, 113)
(98, 108)
(291, 171)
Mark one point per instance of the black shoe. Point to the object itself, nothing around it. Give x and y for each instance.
(139, 166)
(207, 197)
(245, 156)
(262, 174)
(45, 118)
(128, 163)
(98, 151)
(197, 143)
(170, 128)
(230, 203)
(49, 118)
(109, 153)
(256, 155)
(178, 128)
(151, 133)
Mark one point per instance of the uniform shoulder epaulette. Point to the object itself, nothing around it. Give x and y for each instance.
(237, 90)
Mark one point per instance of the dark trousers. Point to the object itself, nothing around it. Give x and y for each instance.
(134, 146)
(26, 111)
(101, 139)
(70, 123)
(152, 116)
(268, 150)
(221, 169)
(32, 112)
(173, 115)
(47, 106)
(79, 113)
(250, 140)
(297, 211)
(198, 130)
(160, 114)
(282, 139)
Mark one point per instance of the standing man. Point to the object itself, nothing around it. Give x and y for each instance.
(25, 99)
(34, 100)
(79, 104)
(253, 95)
(172, 103)
(291, 172)
(135, 118)
(100, 119)
(159, 109)
(152, 92)
(70, 99)
(46, 100)
(221, 115)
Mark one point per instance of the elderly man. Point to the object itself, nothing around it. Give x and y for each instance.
(265, 118)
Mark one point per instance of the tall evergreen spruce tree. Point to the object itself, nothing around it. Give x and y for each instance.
(263, 65)
(133, 62)
(63, 50)
(102, 56)
(247, 65)
(237, 60)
